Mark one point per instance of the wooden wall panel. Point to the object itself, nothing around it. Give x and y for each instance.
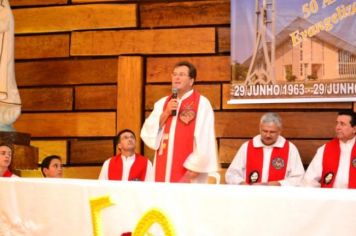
(164, 41)
(91, 1)
(36, 2)
(307, 149)
(46, 99)
(66, 72)
(95, 97)
(51, 147)
(82, 124)
(69, 18)
(212, 68)
(30, 173)
(296, 124)
(24, 157)
(185, 13)
(130, 95)
(41, 46)
(155, 92)
(224, 39)
(286, 106)
(81, 172)
(90, 151)
(229, 147)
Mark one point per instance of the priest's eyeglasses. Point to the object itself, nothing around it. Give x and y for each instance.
(181, 74)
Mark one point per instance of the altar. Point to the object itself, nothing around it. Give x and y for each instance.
(57, 207)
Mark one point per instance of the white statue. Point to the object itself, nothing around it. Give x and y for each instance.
(10, 102)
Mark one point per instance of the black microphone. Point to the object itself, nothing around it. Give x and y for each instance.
(174, 95)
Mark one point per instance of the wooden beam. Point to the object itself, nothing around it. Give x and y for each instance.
(46, 99)
(99, 151)
(16, 3)
(95, 97)
(224, 39)
(81, 124)
(211, 68)
(51, 147)
(130, 95)
(185, 13)
(41, 46)
(91, 1)
(74, 17)
(66, 72)
(162, 41)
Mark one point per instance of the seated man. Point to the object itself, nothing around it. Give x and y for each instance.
(334, 164)
(127, 165)
(51, 167)
(267, 159)
(6, 154)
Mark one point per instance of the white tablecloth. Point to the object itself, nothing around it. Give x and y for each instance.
(61, 207)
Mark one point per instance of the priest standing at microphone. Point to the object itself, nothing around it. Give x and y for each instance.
(181, 130)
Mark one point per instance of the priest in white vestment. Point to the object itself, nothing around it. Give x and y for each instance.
(181, 130)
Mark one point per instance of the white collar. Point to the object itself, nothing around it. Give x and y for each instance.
(348, 142)
(128, 158)
(257, 142)
(187, 94)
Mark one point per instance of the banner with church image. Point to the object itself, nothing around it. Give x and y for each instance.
(293, 51)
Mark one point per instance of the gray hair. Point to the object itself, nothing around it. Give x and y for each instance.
(271, 117)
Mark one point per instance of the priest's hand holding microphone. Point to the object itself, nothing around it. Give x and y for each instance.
(171, 108)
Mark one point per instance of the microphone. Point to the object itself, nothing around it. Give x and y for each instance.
(174, 95)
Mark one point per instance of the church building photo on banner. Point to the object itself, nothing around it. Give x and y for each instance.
(293, 51)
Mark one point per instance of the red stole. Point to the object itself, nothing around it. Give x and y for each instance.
(137, 171)
(254, 163)
(331, 159)
(183, 139)
(7, 173)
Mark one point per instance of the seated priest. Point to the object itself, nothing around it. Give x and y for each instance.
(334, 164)
(267, 159)
(127, 165)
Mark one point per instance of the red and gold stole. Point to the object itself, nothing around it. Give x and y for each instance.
(331, 159)
(137, 171)
(254, 163)
(7, 173)
(183, 139)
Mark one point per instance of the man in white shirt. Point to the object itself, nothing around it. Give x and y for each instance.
(267, 159)
(334, 164)
(127, 165)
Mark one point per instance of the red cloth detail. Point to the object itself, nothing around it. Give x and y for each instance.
(7, 173)
(183, 141)
(137, 171)
(254, 162)
(331, 159)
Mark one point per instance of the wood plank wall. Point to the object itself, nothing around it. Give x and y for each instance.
(88, 68)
